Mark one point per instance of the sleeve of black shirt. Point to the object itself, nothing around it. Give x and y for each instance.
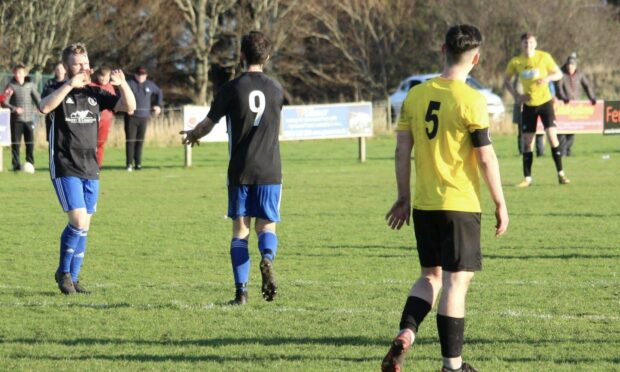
(160, 95)
(107, 101)
(220, 104)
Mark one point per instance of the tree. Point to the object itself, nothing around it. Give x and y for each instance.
(202, 18)
(32, 30)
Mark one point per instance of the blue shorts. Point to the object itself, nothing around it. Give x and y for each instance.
(261, 201)
(75, 192)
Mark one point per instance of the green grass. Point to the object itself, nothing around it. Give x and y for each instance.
(158, 265)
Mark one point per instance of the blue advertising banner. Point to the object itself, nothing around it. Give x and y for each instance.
(5, 127)
(347, 120)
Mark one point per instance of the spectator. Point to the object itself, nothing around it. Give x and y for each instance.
(59, 76)
(22, 102)
(136, 122)
(571, 87)
(102, 80)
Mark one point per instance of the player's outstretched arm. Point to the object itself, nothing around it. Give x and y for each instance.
(400, 212)
(127, 103)
(489, 168)
(49, 103)
(193, 136)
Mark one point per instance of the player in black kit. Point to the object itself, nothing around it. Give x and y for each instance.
(252, 104)
(74, 109)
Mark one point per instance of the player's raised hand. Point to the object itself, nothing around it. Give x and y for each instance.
(190, 138)
(117, 77)
(399, 214)
(80, 79)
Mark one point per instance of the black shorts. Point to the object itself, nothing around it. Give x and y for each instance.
(531, 113)
(449, 239)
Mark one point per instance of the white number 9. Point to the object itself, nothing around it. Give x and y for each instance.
(261, 105)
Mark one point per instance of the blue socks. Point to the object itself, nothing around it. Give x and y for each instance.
(78, 256)
(68, 244)
(268, 245)
(240, 258)
(240, 255)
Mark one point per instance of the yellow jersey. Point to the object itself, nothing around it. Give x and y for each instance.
(441, 115)
(540, 65)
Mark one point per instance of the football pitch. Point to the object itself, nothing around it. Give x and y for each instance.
(157, 262)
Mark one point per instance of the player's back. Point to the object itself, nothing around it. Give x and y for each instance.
(441, 114)
(252, 104)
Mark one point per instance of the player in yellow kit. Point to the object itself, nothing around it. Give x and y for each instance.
(535, 69)
(449, 123)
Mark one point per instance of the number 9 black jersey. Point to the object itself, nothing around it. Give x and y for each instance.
(252, 104)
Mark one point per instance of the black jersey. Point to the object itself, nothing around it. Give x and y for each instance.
(252, 104)
(74, 129)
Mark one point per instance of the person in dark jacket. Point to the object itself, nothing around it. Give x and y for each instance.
(571, 87)
(23, 102)
(59, 76)
(145, 92)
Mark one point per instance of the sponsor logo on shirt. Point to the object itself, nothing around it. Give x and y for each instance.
(92, 101)
(81, 117)
(147, 89)
(70, 101)
(530, 74)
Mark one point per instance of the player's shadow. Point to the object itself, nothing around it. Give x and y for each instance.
(282, 354)
(566, 256)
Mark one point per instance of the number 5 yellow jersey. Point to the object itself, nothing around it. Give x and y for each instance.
(441, 115)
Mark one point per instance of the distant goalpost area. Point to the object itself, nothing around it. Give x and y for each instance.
(307, 122)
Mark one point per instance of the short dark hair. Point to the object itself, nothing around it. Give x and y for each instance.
(256, 47)
(75, 49)
(103, 70)
(527, 35)
(461, 39)
(19, 66)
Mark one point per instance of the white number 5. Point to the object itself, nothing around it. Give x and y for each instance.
(261, 105)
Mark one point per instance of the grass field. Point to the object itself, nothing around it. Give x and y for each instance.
(157, 262)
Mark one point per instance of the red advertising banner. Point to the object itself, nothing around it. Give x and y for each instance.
(577, 117)
(612, 117)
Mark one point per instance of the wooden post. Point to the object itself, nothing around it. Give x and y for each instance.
(188, 156)
(362, 148)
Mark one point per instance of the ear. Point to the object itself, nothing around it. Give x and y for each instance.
(443, 48)
(476, 59)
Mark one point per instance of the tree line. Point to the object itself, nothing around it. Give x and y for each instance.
(324, 50)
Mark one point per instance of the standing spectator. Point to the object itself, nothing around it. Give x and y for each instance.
(445, 122)
(571, 87)
(22, 102)
(59, 76)
(535, 69)
(102, 80)
(136, 122)
(75, 107)
(253, 103)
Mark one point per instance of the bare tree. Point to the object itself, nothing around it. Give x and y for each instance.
(32, 30)
(202, 18)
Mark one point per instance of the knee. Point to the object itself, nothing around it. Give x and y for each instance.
(433, 276)
(460, 279)
(80, 221)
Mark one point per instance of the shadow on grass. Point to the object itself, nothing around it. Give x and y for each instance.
(567, 214)
(566, 256)
(280, 354)
(216, 342)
